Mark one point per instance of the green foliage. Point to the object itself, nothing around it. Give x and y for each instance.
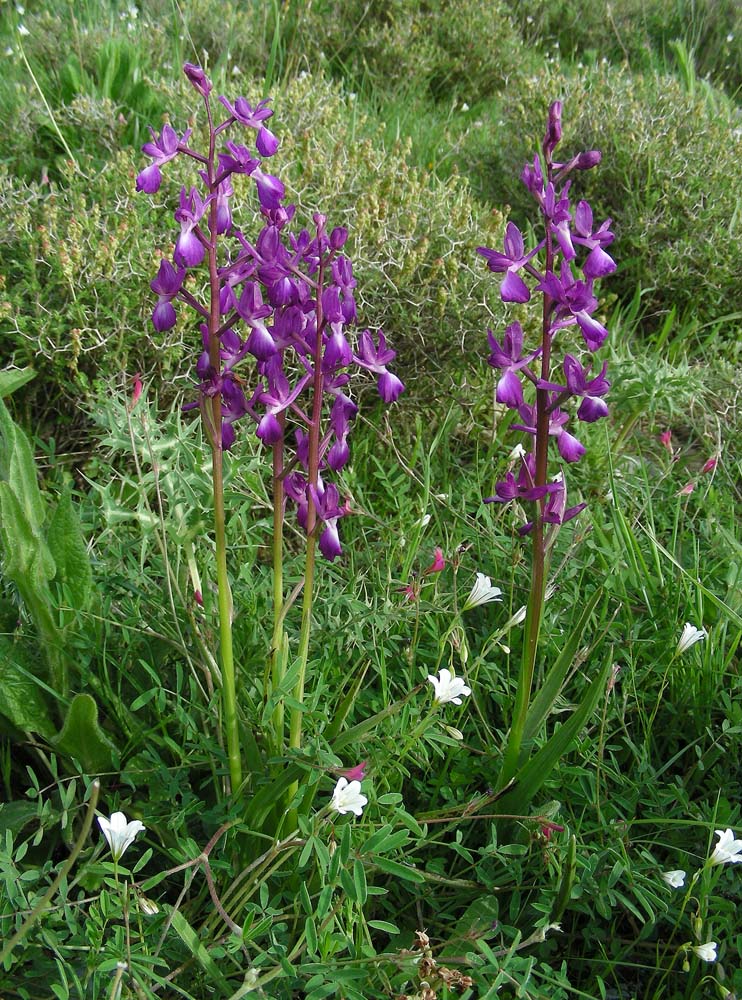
(641, 33)
(665, 179)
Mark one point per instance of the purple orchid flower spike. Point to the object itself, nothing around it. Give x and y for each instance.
(166, 286)
(509, 357)
(162, 149)
(513, 287)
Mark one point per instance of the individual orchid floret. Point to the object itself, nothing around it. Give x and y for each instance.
(326, 502)
(513, 287)
(375, 359)
(162, 149)
(189, 249)
(508, 357)
(270, 189)
(598, 263)
(119, 832)
(166, 286)
(243, 112)
(689, 637)
(555, 510)
(593, 407)
(575, 303)
(674, 879)
(569, 447)
(728, 851)
(523, 487)
(347, 797)
(706, 952)
(448, 688)
(482, 593)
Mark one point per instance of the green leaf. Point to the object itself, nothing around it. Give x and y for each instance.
(13, 378)
(18, 467)
(21, 698)
(398, 870)
(359, 880)
(384, 925)
(82, 737)
(543, 703)
(535, 772)
(67, 546)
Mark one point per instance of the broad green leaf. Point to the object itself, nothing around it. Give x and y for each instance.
(547, 694)
(13, 378)
(533, 774)
(21, 698)
(18, 467)
(67, 546)
(82, 737)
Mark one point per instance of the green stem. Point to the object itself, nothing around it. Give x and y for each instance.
(212, 415)
(278, 657)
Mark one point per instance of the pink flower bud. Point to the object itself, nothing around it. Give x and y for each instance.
(686, 490)
(709, 465)
(357, 773)
(137, 391)
(665, 440)
(437, 564)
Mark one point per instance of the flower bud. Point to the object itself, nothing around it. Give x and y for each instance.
(553, 128)
(589, 159)
(198, 78)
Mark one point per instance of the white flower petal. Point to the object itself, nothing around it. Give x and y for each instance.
(728, 851)
(448, 688)
(347, 797)
(689, 637)
(675, 879)
(119, 833)
(706, 952)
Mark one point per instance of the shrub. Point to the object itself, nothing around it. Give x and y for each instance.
(667, 178)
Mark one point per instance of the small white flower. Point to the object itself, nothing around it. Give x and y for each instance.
(23, 30)
(482, 592)
(424, 521)
(728, 851)
(675, 879)
(689, 637)
(464, 106)
(518, 452)
(119, 833)
(448, 688)
(730, 37)
(347, 797)
(706, 952)
(21, 9)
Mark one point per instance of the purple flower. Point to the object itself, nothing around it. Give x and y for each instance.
(522, 487)
(162, 149)
(592, 407)
(166, 286)
(553, 129)
(555, 511)
(509, 358)
(598, 263)
(513, 288)
(189, 250)
(198, 78)
(575, 302)
(243, 112)
(327, 504)
(569, 447)
(270, 189)
(375, 359)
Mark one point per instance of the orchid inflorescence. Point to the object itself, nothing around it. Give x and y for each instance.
(570, 239)
(292, 294)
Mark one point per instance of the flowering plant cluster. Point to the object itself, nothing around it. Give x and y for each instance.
(571, 240)
(285, 299)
